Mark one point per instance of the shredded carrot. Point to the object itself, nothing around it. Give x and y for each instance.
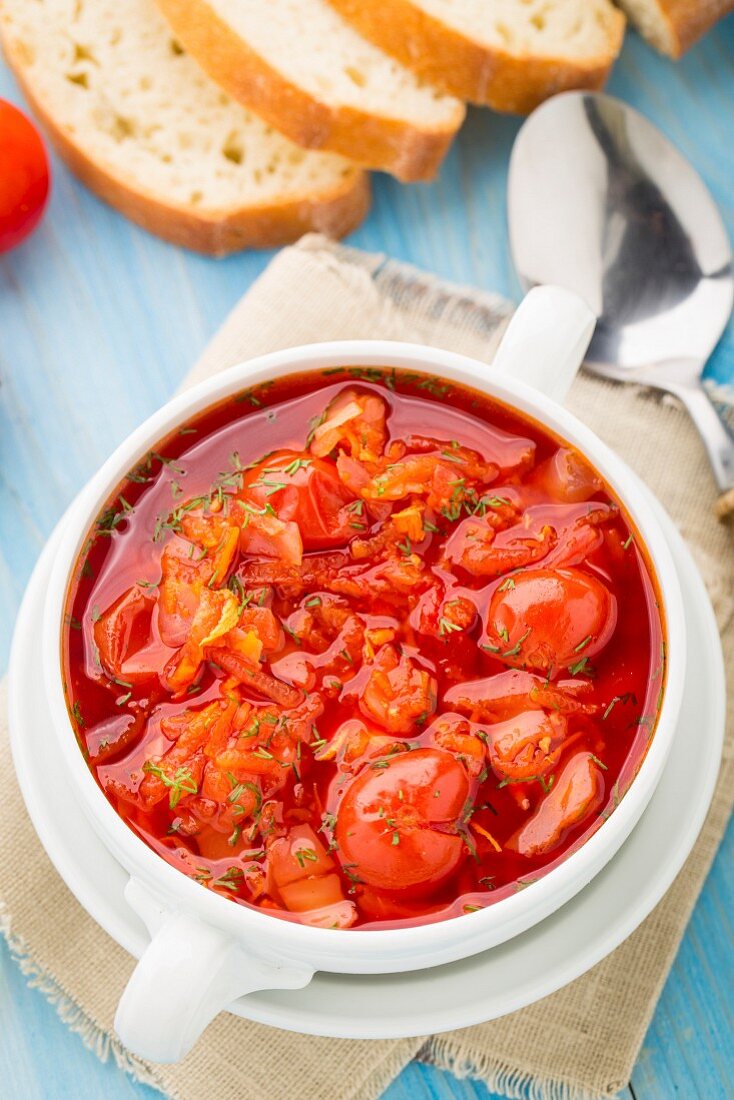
(497, 847)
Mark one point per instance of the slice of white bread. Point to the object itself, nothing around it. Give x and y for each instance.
(138, 121)
(312, 76)
(505, 54)
(674, 25)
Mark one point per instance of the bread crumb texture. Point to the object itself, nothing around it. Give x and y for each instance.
(574, 29)
(313, 47)
(118, 85)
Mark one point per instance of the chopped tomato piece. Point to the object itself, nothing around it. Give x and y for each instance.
(441, 617)
(354, 741)
(328, 637)
(389, 579)
(378, 546)
(228, 805)
(216, 615)
(355, 420)
(409, 521)
(303, 876)
(240, 795)
(266, 742)
(477, 547)
(398, 693)
(567, 476)
(178, 772)
(577, 541)
(325, 621)
(556, 534)
(122, 635)
(270, 536)
(183, 576)
(396, 820)
(299, 855)
(312, 892)
(301, 489)
(262, 622)
(192, 728)
(527, 746)
(508, 693)
(440, 476)
(213, 534)
(353, 474)
(455, 735)
(412, 476)
(576, 793)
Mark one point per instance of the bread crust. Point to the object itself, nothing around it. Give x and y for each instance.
(688, 20)
(215, 232)
(487, 76)
(392, 145)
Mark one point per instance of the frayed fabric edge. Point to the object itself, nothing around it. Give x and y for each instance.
(508, 1080)
(95, 1039)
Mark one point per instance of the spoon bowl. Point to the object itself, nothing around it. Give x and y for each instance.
(600, 202)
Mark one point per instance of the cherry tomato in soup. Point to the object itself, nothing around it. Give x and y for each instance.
(391, 817)
(550, 618)
(305, 490)
(24, 176)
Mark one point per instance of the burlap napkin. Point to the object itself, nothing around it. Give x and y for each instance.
(559, 1047)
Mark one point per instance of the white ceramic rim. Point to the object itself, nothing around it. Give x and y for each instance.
(384, 949)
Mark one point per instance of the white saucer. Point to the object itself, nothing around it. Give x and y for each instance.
(460, 994)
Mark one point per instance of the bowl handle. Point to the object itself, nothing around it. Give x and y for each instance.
(189, 972)
(546, 340)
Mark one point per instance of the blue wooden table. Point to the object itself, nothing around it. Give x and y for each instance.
(98, 324)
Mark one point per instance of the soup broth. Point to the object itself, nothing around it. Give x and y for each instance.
(363, 648)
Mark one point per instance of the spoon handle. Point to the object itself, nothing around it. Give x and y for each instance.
(716, 438)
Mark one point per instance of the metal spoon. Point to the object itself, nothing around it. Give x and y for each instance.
(601, 203)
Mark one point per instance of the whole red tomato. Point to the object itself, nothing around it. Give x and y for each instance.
(24, 176)
(395, 823)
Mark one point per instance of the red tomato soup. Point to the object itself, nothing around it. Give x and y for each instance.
(363, 648)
